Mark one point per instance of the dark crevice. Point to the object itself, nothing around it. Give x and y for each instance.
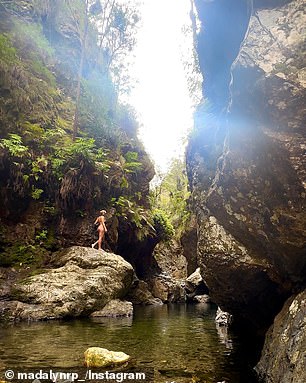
(223, 27)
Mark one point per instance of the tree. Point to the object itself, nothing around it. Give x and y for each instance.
(171, 195)
(114, 23)
(116, 26)
(80, 24)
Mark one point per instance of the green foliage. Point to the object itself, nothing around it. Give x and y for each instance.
(136, 215)
(83, 146)
(41, 236)
(162, 225)
(131, 165)
(38, 68)
(32, 132)
(38, 81)
(21, 254)
(14, 145)
(74, 151)
(171, 196)
(35, 39)
(127, 120)
(35, 49)
(46, 240)
(7, 51)
(98, 98)
(36, 193)
(29, 168)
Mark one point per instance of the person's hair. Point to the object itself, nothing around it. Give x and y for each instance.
(103, 212)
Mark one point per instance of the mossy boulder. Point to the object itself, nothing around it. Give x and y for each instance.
(101, 357)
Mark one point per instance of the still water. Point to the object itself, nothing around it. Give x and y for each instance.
(180, 342)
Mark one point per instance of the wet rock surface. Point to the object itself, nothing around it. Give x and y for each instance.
(223, 318)
(84, 281)
(202, 298)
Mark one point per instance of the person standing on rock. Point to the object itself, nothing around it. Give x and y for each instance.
(101, 229)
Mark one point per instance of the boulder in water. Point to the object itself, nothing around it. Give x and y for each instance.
(195, 285)
(202, 298)
(101, 357)
(169, 290)
(223, 318)
(115, 308)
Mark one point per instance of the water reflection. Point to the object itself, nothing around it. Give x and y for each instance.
(113, 323)
(180, 342)
(224, 336)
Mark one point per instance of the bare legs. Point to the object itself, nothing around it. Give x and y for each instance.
(99, 241)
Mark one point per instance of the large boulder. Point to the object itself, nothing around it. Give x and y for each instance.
(195, 286)
(170, 259)
(167, 289)
(115, 308)
(84, 281)
(284, 353)
(141, 295)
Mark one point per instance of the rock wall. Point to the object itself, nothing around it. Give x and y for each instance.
(170, 259)
(284, 352)
(246, 158)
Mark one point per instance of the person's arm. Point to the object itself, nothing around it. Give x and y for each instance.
(96, 221)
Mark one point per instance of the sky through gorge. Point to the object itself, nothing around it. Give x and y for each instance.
(160, 94)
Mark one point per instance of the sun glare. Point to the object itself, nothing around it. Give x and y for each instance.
(161, 95)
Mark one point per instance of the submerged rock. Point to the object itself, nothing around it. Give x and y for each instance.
(101, 357)
(84, 281)
(115, 308)
(284, 353)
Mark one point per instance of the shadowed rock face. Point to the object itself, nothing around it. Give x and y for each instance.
(283, 357)
(247, 168)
